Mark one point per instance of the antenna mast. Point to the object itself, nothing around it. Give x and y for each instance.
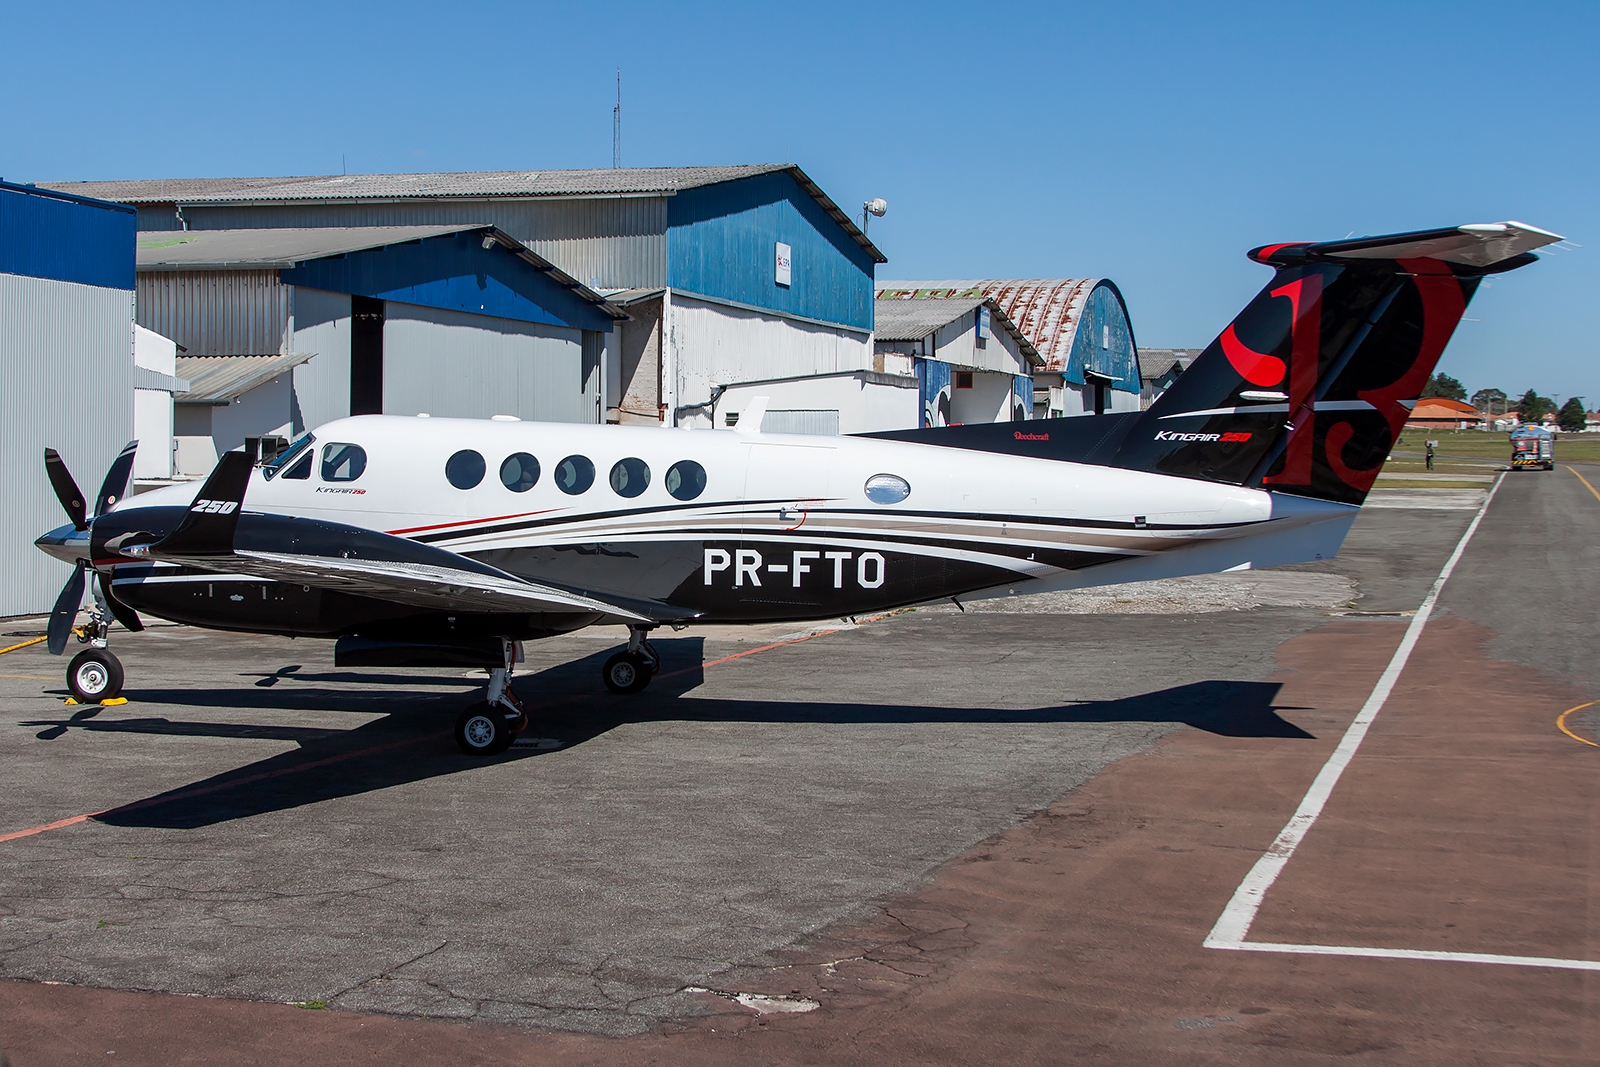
(616, 126)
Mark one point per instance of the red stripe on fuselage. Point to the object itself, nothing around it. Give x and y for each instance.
(470, 522)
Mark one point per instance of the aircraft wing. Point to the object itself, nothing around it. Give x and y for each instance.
(217, 535)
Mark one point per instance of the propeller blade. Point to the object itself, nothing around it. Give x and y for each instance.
(67, 490)
(65, 613)
(119, 610)
(116, 483)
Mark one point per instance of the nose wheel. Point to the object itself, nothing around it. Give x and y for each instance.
(94, 674)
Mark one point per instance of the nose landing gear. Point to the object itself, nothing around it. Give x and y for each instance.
(630, 671)
(95, 674)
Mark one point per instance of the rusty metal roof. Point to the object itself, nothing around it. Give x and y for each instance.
(1045, 310)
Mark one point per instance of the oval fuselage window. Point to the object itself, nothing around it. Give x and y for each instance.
(465, 469)
(342, 462)
(686, 479)
(520, 472)
(887, 489)
(630, 477)
(574, 475)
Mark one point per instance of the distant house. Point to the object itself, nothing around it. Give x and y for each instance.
(1438, 413)
(1159, 368)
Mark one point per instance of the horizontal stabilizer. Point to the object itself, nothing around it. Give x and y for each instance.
(1475, 244)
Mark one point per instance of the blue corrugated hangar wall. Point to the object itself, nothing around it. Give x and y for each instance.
(730, 320)
(721, 241)
(66, 368)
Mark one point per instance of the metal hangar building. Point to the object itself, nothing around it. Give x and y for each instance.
(727, 275)
(1079, 326)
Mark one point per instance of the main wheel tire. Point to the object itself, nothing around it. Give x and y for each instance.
(94, 675)
(627, 672)
(483, 730)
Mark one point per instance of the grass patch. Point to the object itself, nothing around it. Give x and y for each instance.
(1417, 483)
(311, 1005)
(1478, 445)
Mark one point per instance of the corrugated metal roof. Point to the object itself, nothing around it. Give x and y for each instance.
(1045, 310)
(283, 248)
(511, 184)
(269, 249)
(222, 378)
(629, 181)
(901, 319)
(1154, 362)
(912, 320)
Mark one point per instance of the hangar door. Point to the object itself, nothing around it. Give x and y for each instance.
(451, 364)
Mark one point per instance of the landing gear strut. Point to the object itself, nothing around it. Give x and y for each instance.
(95, 674)
(631, 671)
(491, 725)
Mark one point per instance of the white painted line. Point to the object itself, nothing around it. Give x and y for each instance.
(1412, 954)
(1234, 923)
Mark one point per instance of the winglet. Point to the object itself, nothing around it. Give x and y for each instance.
(208, 528)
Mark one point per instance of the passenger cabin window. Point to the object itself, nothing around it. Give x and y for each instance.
(342, 462)
(887, 489)
(465, 469)
(520, 472)
(301, 470)
(630, 477)
(574, 475)
(686, 479)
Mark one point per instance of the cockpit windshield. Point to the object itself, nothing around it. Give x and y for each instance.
(277, 463)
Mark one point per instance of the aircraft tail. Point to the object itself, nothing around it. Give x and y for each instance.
(1307, 389)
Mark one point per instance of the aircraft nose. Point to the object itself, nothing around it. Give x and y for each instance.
(65, 543)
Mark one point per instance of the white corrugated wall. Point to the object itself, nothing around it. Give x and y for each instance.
(714, 344)
(66, 381)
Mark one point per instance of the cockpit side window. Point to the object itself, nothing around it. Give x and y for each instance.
(342, 461)
(279, 462)
(300, 471)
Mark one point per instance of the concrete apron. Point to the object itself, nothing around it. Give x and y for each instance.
(1465, 823)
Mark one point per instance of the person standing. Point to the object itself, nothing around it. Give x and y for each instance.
(1430, 453)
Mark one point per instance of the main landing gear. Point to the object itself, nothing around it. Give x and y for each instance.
(491, 725)
(631, 671)
(95, 674)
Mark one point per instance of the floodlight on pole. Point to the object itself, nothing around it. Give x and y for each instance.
(877, 206)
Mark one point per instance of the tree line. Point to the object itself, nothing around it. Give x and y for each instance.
(1532, 407)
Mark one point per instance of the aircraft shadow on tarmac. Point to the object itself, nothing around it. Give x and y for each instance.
(411, 741)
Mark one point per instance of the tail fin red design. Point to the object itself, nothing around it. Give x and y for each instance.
(1308, 388)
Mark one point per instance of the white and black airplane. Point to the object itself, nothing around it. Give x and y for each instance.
(446, 542)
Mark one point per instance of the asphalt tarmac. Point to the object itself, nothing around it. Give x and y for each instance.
(270, 829)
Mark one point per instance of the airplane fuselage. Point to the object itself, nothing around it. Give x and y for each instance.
(722, 526)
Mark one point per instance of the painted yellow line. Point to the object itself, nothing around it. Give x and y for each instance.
(1591, 489)
(1561, 720)
(36, 640)
(32, 677)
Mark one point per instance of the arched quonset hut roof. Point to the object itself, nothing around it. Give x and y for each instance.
(1079, 325)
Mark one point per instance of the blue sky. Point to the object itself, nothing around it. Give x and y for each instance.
(1149, 143)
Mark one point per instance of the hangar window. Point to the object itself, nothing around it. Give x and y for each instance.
(630, 477)
(465, 469)
(887, 489)
(520, 472)
(686, 479)
(574, 475)
(342, 462)
(282, 459)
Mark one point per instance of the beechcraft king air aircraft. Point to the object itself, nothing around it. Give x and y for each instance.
(445, 542)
